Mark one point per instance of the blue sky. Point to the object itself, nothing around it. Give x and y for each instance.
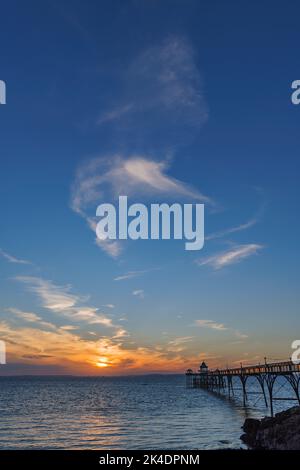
(191, 94)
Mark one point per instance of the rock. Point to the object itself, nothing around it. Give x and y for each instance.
(251, 425)
(279, 433)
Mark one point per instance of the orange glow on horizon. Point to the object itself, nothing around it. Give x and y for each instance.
(71, 353)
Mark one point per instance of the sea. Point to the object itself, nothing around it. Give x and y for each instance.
(139, 412)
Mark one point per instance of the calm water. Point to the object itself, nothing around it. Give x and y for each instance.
(149, 412)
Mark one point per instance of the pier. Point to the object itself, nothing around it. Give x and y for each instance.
(266, 374)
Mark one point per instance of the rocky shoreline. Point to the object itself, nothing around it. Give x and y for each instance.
(282, 432)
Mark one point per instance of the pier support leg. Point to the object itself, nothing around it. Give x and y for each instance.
(270, 380)
(293, 379)
(264, 393)
(271, 403)
(230, 386)
(261, 381)
(245, 398)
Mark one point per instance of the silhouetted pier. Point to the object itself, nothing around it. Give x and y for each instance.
(266, 374)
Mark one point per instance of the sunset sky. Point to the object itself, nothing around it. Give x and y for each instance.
(162, 101)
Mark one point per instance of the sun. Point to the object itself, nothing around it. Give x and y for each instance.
(102, 362)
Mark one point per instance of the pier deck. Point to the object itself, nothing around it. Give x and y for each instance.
(266, 375)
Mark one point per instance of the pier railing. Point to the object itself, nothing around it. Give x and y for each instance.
(266, 375)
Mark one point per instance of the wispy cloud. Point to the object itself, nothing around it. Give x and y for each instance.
(239, 228)
(210, 324)
(60, 300)
(31, 317)
(104, 179)
(213, 325)
(229, 231)
(234, 255)
(112, 247)
(162, 85)
(161, 93)
(130, 275)
(53, 297)
(240, 335)
(115, 114)
(178, 344)
(135, 175)
(139, 293)
(70, 328)
(13, 259)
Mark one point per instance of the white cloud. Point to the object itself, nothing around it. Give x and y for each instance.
(59, 299)
(129, 275)
(31, 317)
(104, 179)
(231, 256)
(28, 316)
(91, 315)
(139, 175)
(229, 231)
(135, 175)
(56, 298)
(139, 293)
(69, 327)
(120, 333)
(13, 259)
(112, 247)
(210, 324)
